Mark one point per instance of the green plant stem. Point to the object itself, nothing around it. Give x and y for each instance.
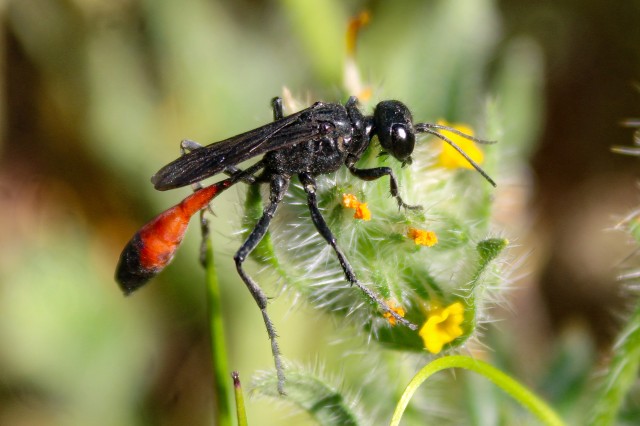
(241, 414)
(218, 346)
(525, 397)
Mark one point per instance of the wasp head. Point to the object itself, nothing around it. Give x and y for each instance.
(393, 124)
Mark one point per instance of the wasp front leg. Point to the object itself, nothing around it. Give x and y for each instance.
(309, 184)
(378, 172)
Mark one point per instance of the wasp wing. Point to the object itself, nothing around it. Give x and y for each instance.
(212, 159)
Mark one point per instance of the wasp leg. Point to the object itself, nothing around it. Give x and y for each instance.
(187, 145)
(276, 105)
(278, 188)
(378, 172)
(234, 172)
(310, 188)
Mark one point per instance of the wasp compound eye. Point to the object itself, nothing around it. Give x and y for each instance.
(392, 122)
(403, 140)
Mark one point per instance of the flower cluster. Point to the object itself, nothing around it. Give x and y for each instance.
(422, 237)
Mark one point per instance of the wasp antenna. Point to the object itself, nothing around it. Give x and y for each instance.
(422, 127)
(427, 128)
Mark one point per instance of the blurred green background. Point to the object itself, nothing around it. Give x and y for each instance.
(97, 95)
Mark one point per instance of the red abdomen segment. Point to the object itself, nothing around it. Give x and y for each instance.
(153, 246)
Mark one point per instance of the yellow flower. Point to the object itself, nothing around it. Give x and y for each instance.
(362, 212)
(442, 326)
(355, 24)
(350, 201)
(450, 158)
(422, 237)
(395, 308)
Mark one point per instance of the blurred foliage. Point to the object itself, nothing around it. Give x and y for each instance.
(98, 95)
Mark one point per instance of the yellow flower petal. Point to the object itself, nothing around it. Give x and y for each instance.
(442, 326)
(450, 158)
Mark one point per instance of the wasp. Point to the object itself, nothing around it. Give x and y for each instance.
(315, 141)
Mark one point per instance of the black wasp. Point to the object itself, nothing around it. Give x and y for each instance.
(315, 141)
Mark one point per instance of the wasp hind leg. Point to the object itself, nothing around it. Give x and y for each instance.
(278, 189)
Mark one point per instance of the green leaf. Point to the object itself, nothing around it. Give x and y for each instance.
(326, 404)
